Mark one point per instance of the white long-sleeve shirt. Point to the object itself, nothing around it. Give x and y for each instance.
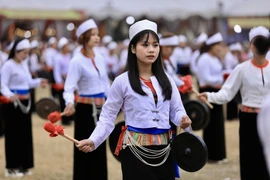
(268, 55)
(139, 111)
(123, 58)
(210, 71)
(253, 82)
(16, 76)
(181, 55)
(83, 77)
(263, 125)
(61, 66)
(33, 63)
(230, 61)
(48, 56)
(171, 71)
(193, 61)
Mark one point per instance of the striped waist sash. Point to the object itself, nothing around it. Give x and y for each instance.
(248, 109)
(97, 99)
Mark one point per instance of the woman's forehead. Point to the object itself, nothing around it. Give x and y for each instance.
(149, 37)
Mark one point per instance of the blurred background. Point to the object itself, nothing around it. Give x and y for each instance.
(41, 19)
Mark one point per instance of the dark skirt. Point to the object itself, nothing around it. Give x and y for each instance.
(18, 137)
(252, 161)
(91, 165)
(214, 133)
(232, 110)
(134, 169)
(183, 70)
(1, 121)
(33, 99)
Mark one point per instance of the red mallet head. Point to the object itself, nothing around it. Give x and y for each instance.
(54, 116)
(187, 86)
(49, 127)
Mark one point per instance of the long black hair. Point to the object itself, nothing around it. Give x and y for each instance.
(13, 49)
(157, 68)
(262, 44)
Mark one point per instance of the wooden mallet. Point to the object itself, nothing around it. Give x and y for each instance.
(56, 130)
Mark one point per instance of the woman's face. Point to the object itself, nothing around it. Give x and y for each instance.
(216, 49)
(66, 48)
(167, 51)
(94, 38)
(146, 50)
(22, 55)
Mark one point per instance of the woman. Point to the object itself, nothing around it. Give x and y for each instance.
(88, 75)
(60, 70)
(16, 82)
(149, 99)
(210, 77)
(252, 78)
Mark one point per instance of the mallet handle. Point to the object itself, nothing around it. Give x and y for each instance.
(70, 138)
(206, 102)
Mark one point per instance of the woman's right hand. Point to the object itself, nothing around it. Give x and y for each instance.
(69, 110)
(202, 97)
(11, 98)
(86, 145)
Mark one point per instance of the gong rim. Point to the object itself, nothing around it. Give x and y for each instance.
(190, 152)
(199, 114)
(45, 106)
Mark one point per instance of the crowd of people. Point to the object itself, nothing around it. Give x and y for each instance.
(139, 76)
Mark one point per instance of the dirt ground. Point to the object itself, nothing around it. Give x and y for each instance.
(54, 156)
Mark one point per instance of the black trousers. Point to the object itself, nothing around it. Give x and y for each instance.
(252, 161)
(214, 133)
(134, 169)
(18, 137)
(91, 165)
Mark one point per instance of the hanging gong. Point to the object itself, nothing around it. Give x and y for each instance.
(189, 151)
(199, 114)
(45, 106)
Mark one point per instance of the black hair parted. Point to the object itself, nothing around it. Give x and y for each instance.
(262, 44)
(13, 49)
(157, 67)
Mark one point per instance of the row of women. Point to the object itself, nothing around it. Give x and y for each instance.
(148, 95)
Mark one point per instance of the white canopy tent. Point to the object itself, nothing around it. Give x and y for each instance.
(168, 9)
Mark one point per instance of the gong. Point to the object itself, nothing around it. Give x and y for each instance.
(189, 152)
(199, 114)
(45, 106)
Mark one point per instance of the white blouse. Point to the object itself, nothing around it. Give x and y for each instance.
(61, 65)
(263, 125)
(181, 55)
(16, 76)
(210, 70)
(48, 56)
(83, 77)
(253, 82)
(139, 111)
(172, 72)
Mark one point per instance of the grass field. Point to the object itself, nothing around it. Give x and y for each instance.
(54, 156)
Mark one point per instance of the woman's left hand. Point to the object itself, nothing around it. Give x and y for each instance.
(185, 122)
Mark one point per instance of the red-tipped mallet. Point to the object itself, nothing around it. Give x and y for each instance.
(55, 116)
(56, 130)
(189, 87)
